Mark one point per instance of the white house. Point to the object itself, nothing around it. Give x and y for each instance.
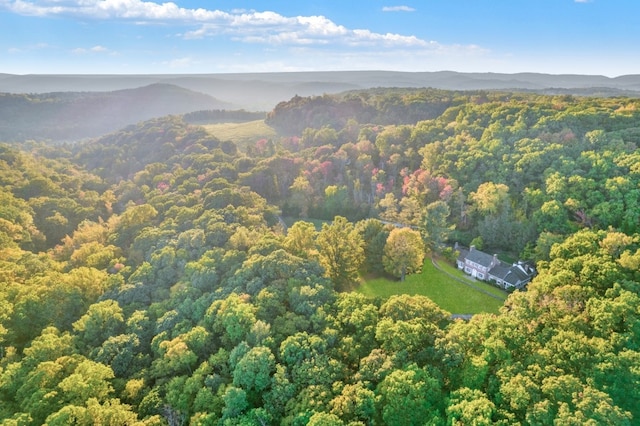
(486, 267)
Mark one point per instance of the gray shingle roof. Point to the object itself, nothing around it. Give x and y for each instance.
(516, 275)
(500, 270)
(480, 257)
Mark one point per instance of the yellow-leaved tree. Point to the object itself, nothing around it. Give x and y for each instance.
(403, 252)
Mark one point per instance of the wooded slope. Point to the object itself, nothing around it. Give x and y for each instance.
(147, 279)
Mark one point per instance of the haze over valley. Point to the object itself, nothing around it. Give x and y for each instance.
(80, 106)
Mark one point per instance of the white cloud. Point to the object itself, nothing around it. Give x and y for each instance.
(94, 49)
(30, 48)
(240, 25)
(398, 9)
(114, 9)
(272, 28)
(366, 37)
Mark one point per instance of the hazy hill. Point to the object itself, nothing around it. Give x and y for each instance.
(262, 91)
(72, 107)
(77, 115)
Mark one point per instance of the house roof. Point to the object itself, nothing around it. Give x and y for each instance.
(480, 257)
(511, 274)
(517, 275)
(463, 254)
(501, 270)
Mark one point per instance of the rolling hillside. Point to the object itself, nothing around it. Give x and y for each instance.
(261, 91)
(65, 116)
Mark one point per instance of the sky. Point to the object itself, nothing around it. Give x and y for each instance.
(596, 37)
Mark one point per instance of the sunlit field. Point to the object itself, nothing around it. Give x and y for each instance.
(242, 134)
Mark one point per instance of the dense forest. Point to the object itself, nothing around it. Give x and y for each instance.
(148, 277)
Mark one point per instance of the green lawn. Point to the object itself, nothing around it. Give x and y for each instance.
(448, 293)
(480, 284)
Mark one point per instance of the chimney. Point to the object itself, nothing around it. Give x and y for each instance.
(472, 248)
(495, 260)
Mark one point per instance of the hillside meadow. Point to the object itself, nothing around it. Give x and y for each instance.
(243, 134)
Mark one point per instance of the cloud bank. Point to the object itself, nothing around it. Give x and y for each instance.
(241, 25)
(239, 40)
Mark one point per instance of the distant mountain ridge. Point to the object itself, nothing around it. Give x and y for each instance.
(62, 115)
(262, 91)
(72, 107)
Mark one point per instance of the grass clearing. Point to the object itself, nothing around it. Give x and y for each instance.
(243, 134)
(446, 292)
(450, 269)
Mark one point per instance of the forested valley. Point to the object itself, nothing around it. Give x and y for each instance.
(149, 277)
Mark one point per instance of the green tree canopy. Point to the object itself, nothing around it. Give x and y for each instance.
(403, 252)
(341, 252)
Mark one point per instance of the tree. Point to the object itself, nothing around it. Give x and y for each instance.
(253, 371)
(299, 347)
(118, 352)
(336, 201)
(375, 234)
(490, 198)
(280, 393)
(470, 406)
(49, 346)
(324, 419)
(111, 412)
(131, 222)
(403, 252)
(409, 326)
(308, 401)
(102, 320)
(355, 318)
(409, 397)
(231, 318)
(301, 195)
(389, 208)
(301, 239)
(235, 402)
(410, 211)
(341, 252)
(434, 225)
(89, 380)
(355, 403)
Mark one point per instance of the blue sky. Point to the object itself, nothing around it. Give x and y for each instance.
(221, 36)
